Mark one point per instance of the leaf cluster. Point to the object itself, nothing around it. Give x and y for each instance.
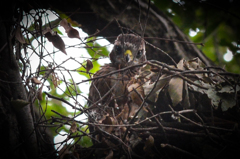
(215, 25)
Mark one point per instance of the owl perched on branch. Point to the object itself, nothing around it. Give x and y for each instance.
(108, 95)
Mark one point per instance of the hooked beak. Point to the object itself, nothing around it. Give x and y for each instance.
(128, 55)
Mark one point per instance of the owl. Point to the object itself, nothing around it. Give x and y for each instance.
(108, 95)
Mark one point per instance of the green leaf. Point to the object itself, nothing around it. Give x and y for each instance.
(95, 50)
(85, 140)
(57, 30)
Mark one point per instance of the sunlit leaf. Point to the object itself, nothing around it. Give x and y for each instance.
(95, 50)
(58, 31)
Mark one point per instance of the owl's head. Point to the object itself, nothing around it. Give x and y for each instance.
(129, 49)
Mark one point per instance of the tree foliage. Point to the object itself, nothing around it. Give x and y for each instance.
(188, 102)
(215, 24)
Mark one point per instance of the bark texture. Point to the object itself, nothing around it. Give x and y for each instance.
(17, 128)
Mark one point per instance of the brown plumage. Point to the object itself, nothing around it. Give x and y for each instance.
(108, 95)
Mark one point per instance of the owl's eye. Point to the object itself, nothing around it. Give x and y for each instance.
(139, 53)
(118, 49)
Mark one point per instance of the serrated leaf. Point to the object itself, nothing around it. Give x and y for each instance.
(175, 90)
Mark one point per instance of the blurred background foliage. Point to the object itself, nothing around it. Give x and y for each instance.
(215, 24)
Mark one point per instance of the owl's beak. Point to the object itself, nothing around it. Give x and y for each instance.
(129, 55)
